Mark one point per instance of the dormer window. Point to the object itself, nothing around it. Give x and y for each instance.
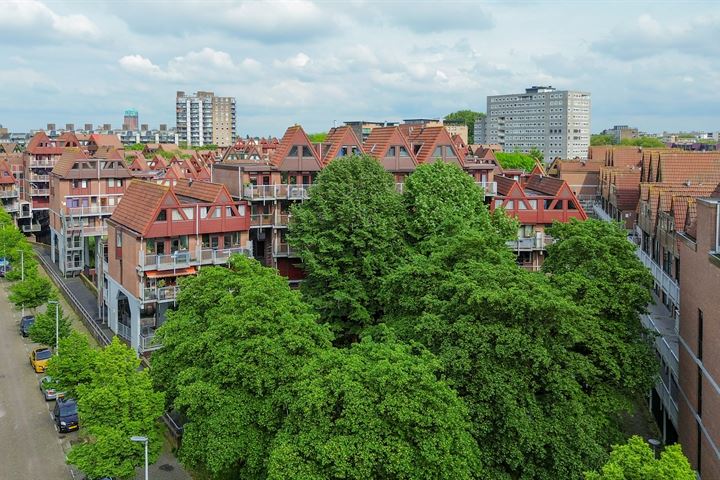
(306, 152)
(404, 152)
(438, 153)
(392, 151)
(162, 216)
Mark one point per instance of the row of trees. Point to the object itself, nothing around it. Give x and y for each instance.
(647, 142)
(115, 399)
(417, 348)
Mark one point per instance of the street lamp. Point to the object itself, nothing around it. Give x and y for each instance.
(145, 441)
(57, 325)
(655, 444)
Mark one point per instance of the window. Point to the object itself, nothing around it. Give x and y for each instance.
(306, 152)
(404, 152)
(293, 152)
(162, 216)
(391, 152)
(203, 212)
(189, 213)
(438, 153)
(217, 213)
(700, 335)
(699, 391)
(229, 212)
(118, 239)
(111, 183)
(150, 247)
(176, 215)
(178, 244)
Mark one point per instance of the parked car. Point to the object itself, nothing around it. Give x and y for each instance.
(4, 266)
(49, 388)
(25, 323)
(39, 358)
(65, 415)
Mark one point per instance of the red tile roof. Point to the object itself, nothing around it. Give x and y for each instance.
(138, 207)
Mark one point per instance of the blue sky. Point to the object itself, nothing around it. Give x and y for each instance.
(650, 64)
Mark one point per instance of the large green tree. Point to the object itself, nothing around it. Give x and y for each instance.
(44, 329)
(515, 160)
(118, 403)
(636, 461)
(232, 351)
(15, 248)
(375, 410)
(31, 293)
(468, 117)
(349, 235)
(75, 365)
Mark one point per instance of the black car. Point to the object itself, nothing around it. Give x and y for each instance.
(25, 323)
(65, 415)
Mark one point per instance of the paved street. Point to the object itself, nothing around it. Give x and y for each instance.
(30, 448)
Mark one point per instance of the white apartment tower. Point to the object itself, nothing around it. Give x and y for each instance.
(555, 122)
(204, 119)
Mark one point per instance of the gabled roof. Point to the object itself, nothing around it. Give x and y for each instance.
(336, 139)
(40, 144)
(67, 160)
(8, 147)
(106, 141)
(6, 175)
(138, 207)
(204, 191)
(139, 164)
(429, 138)
(294, 136)
(382, 138)
(67, 139)
(543, 184)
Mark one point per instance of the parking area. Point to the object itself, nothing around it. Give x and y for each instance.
(30, 447)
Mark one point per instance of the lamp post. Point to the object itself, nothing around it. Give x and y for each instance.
(57, 325)
(145, 441)
(22, 266)
(655, 444)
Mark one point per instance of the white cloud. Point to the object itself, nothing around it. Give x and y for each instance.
(299, 60)
(36, 17)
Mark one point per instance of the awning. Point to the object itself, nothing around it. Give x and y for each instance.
(171, 273)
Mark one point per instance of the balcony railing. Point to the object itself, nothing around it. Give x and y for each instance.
(490, 188)
(123, 331)
(600, 213)
(283, 249)
(11, 207)
(90, 210)
(39, 178)
(33, 227)
(184, 259)
(666, 351)
(41, 163)
(39, 191)
(538, 242)
(93, 231)
(666, 282)
(261, 220)
(10, 193)
(160, 294)
(147, 342)
(282, 219)
(668, 402)
(279, 191)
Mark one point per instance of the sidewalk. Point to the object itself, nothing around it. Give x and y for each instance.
(167, 466)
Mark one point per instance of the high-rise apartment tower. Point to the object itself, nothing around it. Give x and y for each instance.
(204, 119)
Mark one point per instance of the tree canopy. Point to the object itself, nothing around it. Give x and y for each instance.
(515, 160)
(43, 330)
(232, 350)
(31, 293)
(375, 410)
(468, 117)
(75, 366)
(317, 137)
(117, 403)
(608, 139)
(636, 461)
(348, 235)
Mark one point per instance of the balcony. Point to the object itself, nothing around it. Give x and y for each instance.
(41, 163)
(93, 231)
(666, 282)
(11, 207)
(123, 331)
(490, 188)
(147, 342)
(185, 258)
(39, 191)
(261, 220)
(160, 294)
(528, 244)
(33, 227)
(39, 178)
(90, 210)
(283, 249)
(282, 219)
(279, 191)
(9, 193)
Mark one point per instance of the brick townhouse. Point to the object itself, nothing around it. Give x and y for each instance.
(156, 235)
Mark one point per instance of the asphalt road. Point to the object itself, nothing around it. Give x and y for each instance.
(30, 447)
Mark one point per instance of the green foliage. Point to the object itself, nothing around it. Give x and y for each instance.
(600, 139)
(515, 160)
(468, 117)
(135, 146)
(636, 461)
(117, 403)
(646, 142)
(30, 293)
(43, 330)
(349, 236)
(5, 218)
(12, 243)
(536, 154)
(232, 350)
(75, 365)
(375, 410)
(317, 137)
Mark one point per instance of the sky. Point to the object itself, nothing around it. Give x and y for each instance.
(652, 64)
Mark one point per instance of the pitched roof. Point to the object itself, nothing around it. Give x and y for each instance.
(428, 138)
(336, 139)
(204, 191)
(106, 140)
(6, 175)
(67, 160)
(546, 185)
(138, 207)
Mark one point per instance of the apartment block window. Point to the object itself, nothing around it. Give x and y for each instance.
(118, 245)
(150, 247)
(162, 216)
(180, 243)
(700, 335)
(79, 183)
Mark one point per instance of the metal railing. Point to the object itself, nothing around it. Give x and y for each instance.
(668, 402)
(261, 220)
(283, 249)
(9, 193)
(93, 231)
(220, 256)
(39, 178)
(185, 258)
(123, 331)
(39, 191)
(41, 163)
(90, 210)
(490, 188)
(159, 294)
(666, 282)
(33, 227)
(664, 348)
(277, 191)
(601, 214)
(282, 219)
(147, 342)
(538, 242)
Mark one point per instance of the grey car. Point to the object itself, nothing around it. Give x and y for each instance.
(48, 387)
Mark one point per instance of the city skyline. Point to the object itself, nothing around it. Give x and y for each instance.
(316, 62)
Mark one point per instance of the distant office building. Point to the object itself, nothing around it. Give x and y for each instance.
(555, 122)
(204, 119)
(621, 132)
(362, 129)
(479, 130)
(51, 126)
(130, 119)
(88, 127)
(163, 127)
(69, 127)
(107, 127)
(144, 127)
(459, 129)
